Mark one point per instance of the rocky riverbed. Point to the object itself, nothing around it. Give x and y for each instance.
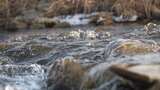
(61, 45)
(76, 58)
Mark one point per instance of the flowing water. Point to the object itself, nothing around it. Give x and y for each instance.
(26, 54)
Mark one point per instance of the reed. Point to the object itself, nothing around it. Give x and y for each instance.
(9, 9)
(142, 8)
(63, 7)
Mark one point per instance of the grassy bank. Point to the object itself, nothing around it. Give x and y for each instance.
(20, 14)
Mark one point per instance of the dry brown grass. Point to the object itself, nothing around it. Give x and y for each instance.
(142, 8)
(9, 9)
(15, 7)
(12, 8)
(61, 7)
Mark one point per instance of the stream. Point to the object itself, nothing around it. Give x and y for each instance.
(25, 55)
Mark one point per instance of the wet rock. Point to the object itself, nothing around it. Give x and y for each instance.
(102, 18)
(22, 22)
(62, 25)
(5, 46)
(142, 76)
(152, 29)
(125, 18)
(71, 75)
(36, 25)
(65, 75)
(131, 47)
(85, 35)
(50, 23)
(21, 53)
(47, 22)
(102, 35)
(155, 86)
(99, 77)
(5, 60)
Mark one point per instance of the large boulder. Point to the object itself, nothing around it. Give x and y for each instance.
(141, 76)
(131, 47)
(71, 75)
(65, 75)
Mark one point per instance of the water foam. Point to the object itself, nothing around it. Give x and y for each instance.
(22, 77)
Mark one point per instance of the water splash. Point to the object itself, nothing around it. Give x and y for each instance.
(22, 77)
(74, 20)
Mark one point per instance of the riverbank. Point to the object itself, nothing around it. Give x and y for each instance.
(21, 14)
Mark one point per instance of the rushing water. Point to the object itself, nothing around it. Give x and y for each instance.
(26, 55)
(22, 77)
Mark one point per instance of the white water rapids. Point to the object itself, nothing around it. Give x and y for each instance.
(22, 77)
(85, 46)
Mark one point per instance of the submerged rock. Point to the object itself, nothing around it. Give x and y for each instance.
(131, 47)
(85, 35)
(27, 52)
(152, 29)
(5, 60)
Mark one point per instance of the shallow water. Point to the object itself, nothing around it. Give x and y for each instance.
(22, 77)
(29, 52)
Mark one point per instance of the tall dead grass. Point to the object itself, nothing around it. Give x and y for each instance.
(62, 7)
(12, 8)
(145, 8)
